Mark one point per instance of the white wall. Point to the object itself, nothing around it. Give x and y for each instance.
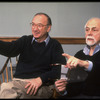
(68, 19)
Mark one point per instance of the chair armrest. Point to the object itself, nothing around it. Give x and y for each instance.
(3, 68)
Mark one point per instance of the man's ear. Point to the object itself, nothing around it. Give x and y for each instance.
(49, 28)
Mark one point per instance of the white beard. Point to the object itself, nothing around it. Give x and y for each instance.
(90, 42)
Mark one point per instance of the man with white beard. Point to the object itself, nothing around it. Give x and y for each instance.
(84, 67)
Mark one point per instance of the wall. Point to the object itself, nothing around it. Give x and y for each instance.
(68, 19)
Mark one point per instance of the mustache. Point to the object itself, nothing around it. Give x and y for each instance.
(90, 37)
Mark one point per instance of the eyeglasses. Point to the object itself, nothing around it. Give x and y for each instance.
(38, 25)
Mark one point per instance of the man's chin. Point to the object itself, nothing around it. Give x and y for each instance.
(36, 37)
(91, 44)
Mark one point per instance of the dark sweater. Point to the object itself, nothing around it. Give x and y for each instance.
(34, 64)
(89, 83)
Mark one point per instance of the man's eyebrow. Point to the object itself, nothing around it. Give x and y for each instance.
(92, 27)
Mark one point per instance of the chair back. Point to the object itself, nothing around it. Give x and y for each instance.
(6, 73)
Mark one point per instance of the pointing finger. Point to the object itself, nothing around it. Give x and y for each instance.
(66, 55)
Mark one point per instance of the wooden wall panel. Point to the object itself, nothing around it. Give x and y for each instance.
(62, 40)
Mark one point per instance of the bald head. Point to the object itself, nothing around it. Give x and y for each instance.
(93, 21)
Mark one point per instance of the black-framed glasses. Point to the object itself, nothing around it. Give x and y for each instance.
(38, 25)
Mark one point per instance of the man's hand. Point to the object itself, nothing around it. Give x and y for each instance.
(73, 62)
(33, 85)
(60, 85)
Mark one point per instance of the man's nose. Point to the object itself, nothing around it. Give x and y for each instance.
(90, 32)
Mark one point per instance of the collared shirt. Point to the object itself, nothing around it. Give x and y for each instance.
(46, 40)
(86, 51)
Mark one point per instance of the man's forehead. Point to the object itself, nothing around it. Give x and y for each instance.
(40, 18)
(93, 23)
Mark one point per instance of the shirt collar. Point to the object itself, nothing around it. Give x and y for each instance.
(86, 49)
(46, 40)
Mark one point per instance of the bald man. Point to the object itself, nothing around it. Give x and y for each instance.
(84, 67)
